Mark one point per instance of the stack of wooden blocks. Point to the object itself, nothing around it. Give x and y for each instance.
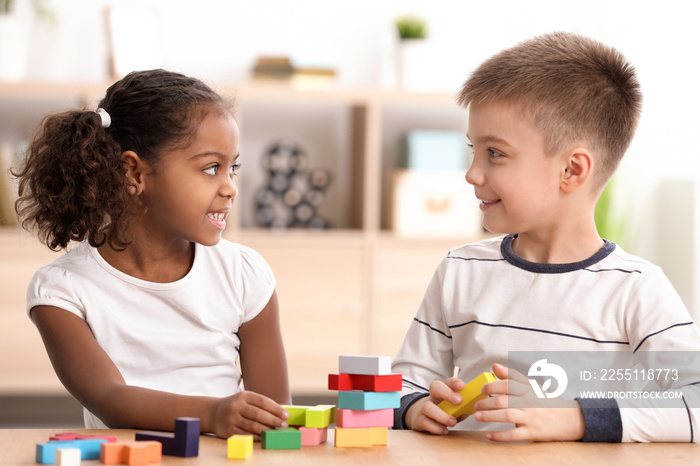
(367, 394)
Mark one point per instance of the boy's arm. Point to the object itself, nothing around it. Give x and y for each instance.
(426, 353)
(672, 414)
(93, 379)
(662, 334)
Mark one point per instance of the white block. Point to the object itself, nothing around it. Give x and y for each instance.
(366, 365)
(68, 457)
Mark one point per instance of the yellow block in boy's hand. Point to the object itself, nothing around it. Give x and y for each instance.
(471, 393)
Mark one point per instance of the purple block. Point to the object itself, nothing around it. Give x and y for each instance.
(187, 436)
(184, 442)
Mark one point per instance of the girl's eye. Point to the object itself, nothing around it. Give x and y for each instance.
(211, 170)
(234, 168)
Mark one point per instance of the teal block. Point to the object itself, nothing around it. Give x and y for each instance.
(89, 449)
(287, 438)
(366, 401)
(436, 150)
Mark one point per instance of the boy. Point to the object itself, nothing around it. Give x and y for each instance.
(549, 121)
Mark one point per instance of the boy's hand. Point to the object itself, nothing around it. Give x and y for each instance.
(425, 415)
(247, 412)
(535, 419)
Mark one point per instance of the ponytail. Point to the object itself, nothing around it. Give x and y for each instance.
(73, 183)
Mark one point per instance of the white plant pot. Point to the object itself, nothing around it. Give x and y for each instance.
(15, 32)
(414, 65)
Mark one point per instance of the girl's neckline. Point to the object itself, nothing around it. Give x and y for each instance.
(102, 262)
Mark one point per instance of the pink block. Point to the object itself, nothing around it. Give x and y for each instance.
(74, 436)
(311, 436)
(372, 418)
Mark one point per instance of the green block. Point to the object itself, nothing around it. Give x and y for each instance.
(320, 416)
(287, 438)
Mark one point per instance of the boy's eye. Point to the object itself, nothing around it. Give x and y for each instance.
(494, 154)
(234, 168)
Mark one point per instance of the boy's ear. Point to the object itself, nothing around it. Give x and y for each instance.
(578, 169)
(135, 170)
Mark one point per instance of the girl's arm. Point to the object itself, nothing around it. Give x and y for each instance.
(93, 379)
(263, 361)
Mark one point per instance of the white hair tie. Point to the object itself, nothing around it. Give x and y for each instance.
(104, 116)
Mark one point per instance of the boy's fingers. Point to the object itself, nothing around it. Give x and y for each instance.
(513, 435)
(434, 412)
(503, 372)
(440, 391)
(427, 424)
(512, 416)
(455, 384)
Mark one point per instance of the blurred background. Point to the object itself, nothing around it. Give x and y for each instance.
(352, 148)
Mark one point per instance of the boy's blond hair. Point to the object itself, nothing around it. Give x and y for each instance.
(573, 89)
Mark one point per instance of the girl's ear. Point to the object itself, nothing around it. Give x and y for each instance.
(578, 169)
(135, 169)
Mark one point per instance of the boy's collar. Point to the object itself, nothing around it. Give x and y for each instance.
(536, 267)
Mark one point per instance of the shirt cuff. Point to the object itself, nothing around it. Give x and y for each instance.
(602, 418)
(406, 402)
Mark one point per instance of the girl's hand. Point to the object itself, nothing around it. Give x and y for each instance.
(535, 419)
(247, 412)
(425, 415)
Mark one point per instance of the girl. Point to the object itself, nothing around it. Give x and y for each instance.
(145, 317)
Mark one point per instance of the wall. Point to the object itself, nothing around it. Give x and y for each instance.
(219, 40)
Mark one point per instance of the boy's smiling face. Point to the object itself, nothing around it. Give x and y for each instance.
(516, 181)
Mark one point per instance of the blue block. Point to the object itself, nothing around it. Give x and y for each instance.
(184, 442)
(89, 449)
(436, 150)
(366, 401)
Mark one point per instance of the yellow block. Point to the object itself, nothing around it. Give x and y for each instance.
(297, 415)
(471, 393)
(239, 446)
(320, 416)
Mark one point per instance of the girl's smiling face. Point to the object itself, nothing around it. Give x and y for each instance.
(515, 179)
(190, 191)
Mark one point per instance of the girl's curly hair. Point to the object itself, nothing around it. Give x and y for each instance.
(72, 185)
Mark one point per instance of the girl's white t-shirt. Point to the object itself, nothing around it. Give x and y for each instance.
(180, 337)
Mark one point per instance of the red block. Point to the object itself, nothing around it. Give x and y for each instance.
(365, 383)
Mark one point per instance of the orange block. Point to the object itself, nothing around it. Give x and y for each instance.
(380, 435)
(131, 453)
